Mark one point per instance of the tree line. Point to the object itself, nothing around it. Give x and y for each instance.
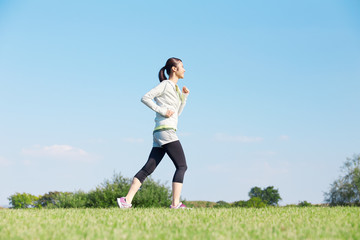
(151, 194)
(345, 191)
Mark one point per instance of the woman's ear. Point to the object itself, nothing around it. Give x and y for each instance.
(174, 69)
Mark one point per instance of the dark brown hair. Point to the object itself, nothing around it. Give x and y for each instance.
(171, 62)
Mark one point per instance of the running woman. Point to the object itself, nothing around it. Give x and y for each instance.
(168, 105)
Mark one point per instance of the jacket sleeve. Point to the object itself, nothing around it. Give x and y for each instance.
(148, 99)
(183, 102)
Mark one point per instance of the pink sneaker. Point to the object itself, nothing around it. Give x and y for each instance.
(180, 205)
(122, 203)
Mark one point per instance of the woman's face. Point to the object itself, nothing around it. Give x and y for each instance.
(180, 70)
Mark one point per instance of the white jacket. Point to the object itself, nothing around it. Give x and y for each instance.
(167, 97)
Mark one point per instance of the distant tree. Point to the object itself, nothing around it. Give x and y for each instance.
(346, 189)
(268, 195)
(255, 192)
(271, 195)
(23, 200)
(49, 199)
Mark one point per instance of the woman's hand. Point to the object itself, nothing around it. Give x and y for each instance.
(169, 113)
(185, 90)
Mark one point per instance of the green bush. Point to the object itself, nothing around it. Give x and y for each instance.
(105, 195)
(153, 194)
(240, 204)
(304, 204)
(76, 199)
(256, 202)
(222, 204)
(23, 200)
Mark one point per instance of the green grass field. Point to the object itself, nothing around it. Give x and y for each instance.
(197, 223)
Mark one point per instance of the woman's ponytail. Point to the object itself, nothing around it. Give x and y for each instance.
(162, 76)
(169, 64)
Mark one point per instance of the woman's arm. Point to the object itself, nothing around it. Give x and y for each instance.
(184, 95)
(148, 99)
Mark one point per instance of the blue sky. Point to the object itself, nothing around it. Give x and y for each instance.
(274, 95)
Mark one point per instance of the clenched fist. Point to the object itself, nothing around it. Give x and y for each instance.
(185, 90)
(169, 113)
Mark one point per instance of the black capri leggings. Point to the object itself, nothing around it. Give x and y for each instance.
(176, 154)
